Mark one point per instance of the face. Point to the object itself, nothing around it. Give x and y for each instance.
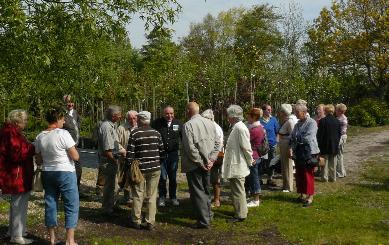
(69, 105)
(60, 122)
(168, 114)
(250, 119)
(320, 111)
(116, 117)
(23, 124)
(267, 112)
(132, 119)
(301, 115)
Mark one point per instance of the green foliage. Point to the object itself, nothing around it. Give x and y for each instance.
(369, 113)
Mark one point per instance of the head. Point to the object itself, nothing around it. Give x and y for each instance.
(55, 117)
(302, 102)
(286, 110)
(208, 114)
(254, 115)
(113, 113)
(301, 111)
(192, 108)
(340, 109)
(132, 118)
(168, 113)
(144, 118)
(320, 110)
(329, 109)
(234, 114)
(18, 118)
(68, 102)
(266, 110)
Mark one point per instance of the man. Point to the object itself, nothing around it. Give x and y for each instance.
(200, 146)
(109, 150)
(271, 126)
(72, 125)
(124, 134)
(145, 144)
(171, 131)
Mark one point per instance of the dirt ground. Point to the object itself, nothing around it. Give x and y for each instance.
(93, 224)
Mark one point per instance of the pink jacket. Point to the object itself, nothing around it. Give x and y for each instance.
(257, 134)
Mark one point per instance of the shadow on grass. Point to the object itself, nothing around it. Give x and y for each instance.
(6, 240)
(382, 185)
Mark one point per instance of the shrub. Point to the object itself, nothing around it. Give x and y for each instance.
(369, 113)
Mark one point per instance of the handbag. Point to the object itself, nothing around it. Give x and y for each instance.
(37, 181)
(264, 147)
(136, 175)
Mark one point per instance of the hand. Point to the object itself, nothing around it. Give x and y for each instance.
(209, 164)
(122, 152)
(204, 167)
(253, 162)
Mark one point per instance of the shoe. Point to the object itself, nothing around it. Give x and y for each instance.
(148, 226)
(175, 202)
(235, 220)
(199, 226)
(253, 204)
(21, 240)
(307, 204)
(300, 200)
(286, 191)
(215, 204)
(161, 202)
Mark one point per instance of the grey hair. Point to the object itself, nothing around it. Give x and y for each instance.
(17, 116)
(208, 114)
(300, 107)
(132, 112)
(235, 111)
(112, 110)
(144, 121)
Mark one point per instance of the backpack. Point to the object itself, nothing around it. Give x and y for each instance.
(264, 147)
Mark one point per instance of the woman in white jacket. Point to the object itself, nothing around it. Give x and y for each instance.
(237, 159)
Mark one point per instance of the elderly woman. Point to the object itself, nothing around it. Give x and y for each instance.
(319, 113)
(304, 151)
(287, 125)
(340, 109)
(16, 172)
(257, 136)
(217, 166)
(328, 137)
(56, 151)
(237, 160)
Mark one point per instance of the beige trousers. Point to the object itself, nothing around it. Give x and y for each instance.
(238, 197)
(286, 165)
(329, 171)
(146, 190)
(340, 169)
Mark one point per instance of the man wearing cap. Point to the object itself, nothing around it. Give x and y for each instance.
(124, 131)
(200, 146)
(109, 152)
(170, 129)
(72, 125)
(145, 144)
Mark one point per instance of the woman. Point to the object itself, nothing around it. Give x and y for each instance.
(257, 135)
(304, 151)
(237, 160)
(57, 152)
(16, 172)
(340, 109)
(287, 125)
(319, 113)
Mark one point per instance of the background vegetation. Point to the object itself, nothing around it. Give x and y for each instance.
(246, 56)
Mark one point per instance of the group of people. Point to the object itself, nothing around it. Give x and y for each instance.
(207, 156)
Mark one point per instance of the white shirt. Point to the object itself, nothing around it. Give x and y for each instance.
(219, 134)
(53, 146)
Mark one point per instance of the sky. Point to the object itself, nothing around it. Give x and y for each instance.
(193, 11)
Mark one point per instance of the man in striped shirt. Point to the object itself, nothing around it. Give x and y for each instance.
(145, 144)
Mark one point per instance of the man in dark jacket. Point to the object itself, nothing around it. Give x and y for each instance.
(328, 136)
(72, 125)
(170, 130)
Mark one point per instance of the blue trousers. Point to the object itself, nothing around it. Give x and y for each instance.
(169, 170)
(253, 178)
(62, 183)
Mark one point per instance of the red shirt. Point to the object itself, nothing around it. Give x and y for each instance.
(257, 135)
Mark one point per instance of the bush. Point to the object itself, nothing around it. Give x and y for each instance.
(369, 113)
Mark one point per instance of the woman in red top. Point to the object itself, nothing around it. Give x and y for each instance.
(16, 172)
(257, 135)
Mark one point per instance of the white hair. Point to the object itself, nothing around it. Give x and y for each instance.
(301, 107)
(132, 112)
(208, 114)
(17, 116)
(112, 110)
(235, 111)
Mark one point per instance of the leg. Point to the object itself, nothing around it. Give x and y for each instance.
(331, 168)
(310, 184)
(162, 191)
(199, 195)
(152, 180)
(300, 179)
(138, 193)
(270, 169)
(238, 197)
(254, 185)
(18, 214)
(172, 174)
(100, 179)
(340, 169)
(50, 185)
(78, 167)
(324, 176)
(215, 181)
(286, 166)
(110, 186)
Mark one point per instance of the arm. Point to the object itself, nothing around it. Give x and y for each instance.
(190, 148)
(130, 150)
(73, 153)
(245, 146)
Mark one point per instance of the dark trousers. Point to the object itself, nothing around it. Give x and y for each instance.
(169, 170)
(78, 167)
(198, 182)
(266, 162)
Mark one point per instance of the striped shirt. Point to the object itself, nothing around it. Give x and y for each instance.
(145, 144)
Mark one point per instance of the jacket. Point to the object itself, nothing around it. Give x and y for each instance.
(328, 135)
(16, 161)
(257, 135)
(171, 136)
(238, 153)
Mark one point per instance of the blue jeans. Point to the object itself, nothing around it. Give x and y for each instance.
(254, 185)
(169, 170)
(62, 183)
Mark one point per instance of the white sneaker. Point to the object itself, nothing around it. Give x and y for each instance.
(161, 202)
(253, 203)
(175, 202)
(21, 240)
(286, 191)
